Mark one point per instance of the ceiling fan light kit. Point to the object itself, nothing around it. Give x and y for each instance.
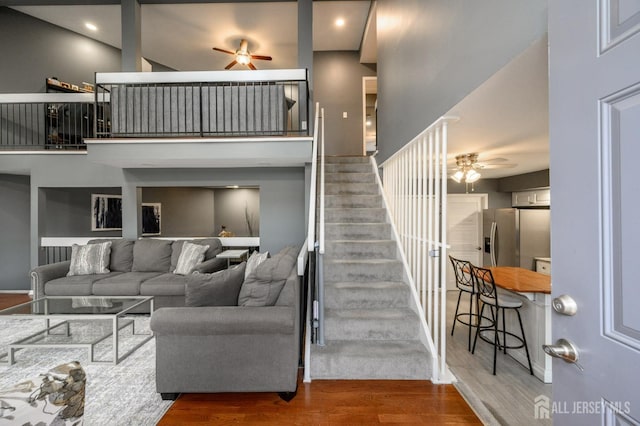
(466, 168)
(243, 56)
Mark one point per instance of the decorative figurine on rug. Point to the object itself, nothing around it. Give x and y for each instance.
(64, 386)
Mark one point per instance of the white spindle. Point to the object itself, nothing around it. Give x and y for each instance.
(415, 182)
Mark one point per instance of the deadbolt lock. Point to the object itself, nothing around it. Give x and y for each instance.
(565, 305)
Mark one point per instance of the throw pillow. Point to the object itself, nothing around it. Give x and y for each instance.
(90, 259)
(254, 260)
(151, 255)
(218, 289)
(190, 257)
(263, 286)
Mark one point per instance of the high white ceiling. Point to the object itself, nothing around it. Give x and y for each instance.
(181, 36)
(507, 117)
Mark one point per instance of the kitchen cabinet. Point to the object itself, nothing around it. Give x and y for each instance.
(532, 198)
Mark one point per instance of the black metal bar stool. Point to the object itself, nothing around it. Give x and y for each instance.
(498, 303)
(465, 284)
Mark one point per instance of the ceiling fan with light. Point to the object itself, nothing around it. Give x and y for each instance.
(468, 167)
(243, 56)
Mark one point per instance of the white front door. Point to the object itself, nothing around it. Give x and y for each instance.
(464, 230)
(595, 227)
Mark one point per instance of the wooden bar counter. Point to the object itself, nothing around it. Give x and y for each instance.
(534, 290)
(521, 280)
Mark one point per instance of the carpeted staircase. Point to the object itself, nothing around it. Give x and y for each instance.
(370, 330)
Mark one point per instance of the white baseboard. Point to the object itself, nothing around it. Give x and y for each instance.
(29, 292)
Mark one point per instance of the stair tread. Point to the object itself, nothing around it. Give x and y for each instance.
(350, 224)
(383, 284)
(372, 241)
(363, 261)
(371, 348)
(381, 314)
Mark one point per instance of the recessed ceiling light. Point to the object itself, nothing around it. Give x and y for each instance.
(91, 26)
(339, 22)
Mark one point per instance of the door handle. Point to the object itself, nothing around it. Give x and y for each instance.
(492, 243)
(565, 350)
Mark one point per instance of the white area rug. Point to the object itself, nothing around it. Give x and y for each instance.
(124, 394)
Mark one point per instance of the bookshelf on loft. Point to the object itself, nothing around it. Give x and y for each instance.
(53, 84)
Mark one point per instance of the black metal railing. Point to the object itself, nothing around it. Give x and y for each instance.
(203, 104)
(45, 121)
(172, 104)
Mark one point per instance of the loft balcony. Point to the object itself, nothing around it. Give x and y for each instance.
(169, 119)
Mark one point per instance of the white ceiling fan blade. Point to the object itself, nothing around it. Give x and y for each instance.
(495, 166)
(493, 160)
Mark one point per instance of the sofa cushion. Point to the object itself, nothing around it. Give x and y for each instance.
(215, 247)
(168, 284)
(90, 259)
(151, 255)
(121, 254)
(218, 289)
(191, 256)
(125, 284)
(76, 285)
(254, 260)
(262, 287)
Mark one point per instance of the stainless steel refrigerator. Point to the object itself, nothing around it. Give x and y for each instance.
(514, 237)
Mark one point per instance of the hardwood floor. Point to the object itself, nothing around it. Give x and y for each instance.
(11, 299)
(329, 402)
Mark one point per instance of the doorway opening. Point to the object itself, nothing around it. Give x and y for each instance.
(369, 115)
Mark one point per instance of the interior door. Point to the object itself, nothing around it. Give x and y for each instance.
(594, 141)
(464, 230)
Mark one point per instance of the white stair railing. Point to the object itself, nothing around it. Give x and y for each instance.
(415, 184)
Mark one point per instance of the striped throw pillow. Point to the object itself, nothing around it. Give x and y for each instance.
(90, 259)
(190, 256)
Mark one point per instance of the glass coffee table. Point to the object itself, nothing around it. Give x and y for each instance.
(110, 315)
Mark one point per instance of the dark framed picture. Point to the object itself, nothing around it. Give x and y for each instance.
(106, 212)
(151, 218)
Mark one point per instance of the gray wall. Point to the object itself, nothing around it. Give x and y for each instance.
(32, 50)
(496, 199)
(432, 53)
(68, 212)
(14, 232)
(338, 88)
(282, 196)
(233, 206)
(525, 181)
(185, 212)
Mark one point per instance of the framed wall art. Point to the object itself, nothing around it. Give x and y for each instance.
(106, 212)
(151, 218)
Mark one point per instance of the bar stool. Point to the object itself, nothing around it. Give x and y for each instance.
(464, 283)
(498, 303)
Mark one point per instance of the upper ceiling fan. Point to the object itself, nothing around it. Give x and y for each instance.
(468, 166)
(243, 56)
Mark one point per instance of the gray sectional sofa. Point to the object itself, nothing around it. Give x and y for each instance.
(250, 348)
(137, 268)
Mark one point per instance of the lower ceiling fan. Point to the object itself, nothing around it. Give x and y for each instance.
(242, 55)
(468, 166)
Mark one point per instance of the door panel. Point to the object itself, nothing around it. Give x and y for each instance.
(464, 230)
(594, 115)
